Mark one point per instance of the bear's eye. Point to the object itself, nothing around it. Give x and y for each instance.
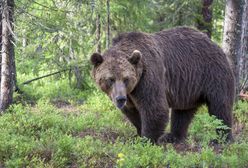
(110, 81)
(126, 80)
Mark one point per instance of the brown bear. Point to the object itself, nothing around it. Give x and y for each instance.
(181, 68)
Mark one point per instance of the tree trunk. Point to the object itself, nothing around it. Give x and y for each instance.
(180, 18)
(232, 33)
(6, 95)
(1, 11)
(79, 77)
(76, 69)
(11, 5)
(244, 48)
(204, 22)
(98, 33)
(108, 25)
(24, 42)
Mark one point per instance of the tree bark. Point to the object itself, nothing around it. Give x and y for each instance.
(204, 22)
(98, 33)
(231, 38)
(6, 95)
(77, 72)
(1, 11)
(108, 25)
(180, 18)
(11, 5)
(244, 49)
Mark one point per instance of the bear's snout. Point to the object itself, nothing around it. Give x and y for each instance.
(119, 94)
(121, 101)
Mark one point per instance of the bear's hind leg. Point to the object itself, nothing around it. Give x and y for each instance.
(222, 111)
(180, 120)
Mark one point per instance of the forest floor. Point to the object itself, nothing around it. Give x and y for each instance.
(93, 133)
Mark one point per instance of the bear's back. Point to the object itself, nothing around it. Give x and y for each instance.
(195, 65)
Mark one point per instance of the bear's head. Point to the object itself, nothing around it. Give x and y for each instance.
(117, 74)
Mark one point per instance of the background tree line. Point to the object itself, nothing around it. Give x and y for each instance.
(41, 38)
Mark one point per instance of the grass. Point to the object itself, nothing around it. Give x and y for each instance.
(93, 133)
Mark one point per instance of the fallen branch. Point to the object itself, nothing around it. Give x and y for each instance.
(54, 73)
(44, 76)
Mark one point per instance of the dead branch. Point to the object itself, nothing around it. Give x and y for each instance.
(44, 76)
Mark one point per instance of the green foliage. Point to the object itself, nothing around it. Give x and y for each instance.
(139, 154)
(96, 134)
(53, 124)
(241, 112)
(204, 128)
(56, 35)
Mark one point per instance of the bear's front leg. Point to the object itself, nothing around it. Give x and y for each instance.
(154, 117)
(133, 115)
(153, 123)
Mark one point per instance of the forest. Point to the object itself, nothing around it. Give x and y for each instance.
(52, 113)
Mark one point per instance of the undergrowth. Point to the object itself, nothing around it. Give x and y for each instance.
(93, 133)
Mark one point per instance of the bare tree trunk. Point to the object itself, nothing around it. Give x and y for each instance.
(76, 69)
(204, 23)
(6, 95)
(79, 77)
(108, 25)
(1, 11)
(232, 33)
(244, 49)
(98, 33)
(180, 18)
(11, 5)
(24, 42)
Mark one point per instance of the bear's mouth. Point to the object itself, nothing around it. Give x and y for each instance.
(121, 101)
(121, 105)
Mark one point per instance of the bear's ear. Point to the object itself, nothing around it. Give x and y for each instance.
(135, 57)
(96, 59)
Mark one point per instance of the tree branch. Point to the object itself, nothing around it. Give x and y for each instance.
(44, 76)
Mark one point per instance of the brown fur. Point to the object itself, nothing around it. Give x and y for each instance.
(179, 68)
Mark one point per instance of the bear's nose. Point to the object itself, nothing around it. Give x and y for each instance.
(121, 100)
